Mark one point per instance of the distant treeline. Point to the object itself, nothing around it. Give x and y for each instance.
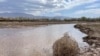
(23, 19)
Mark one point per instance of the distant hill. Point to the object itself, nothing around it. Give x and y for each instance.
(15, 15)
(30, 16)
(21, 15)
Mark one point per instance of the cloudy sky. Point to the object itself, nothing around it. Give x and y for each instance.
(69, 8)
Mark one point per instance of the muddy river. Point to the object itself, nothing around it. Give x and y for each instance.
(35, 41)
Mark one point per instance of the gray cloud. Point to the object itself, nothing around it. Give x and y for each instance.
(37, 7)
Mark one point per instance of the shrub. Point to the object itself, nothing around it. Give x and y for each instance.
(65, 46)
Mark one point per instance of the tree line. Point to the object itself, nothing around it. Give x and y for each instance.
(23, 19)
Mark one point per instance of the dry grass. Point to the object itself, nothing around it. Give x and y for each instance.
(65, 47)
(14, 24)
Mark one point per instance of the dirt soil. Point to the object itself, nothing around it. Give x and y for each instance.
(93, 38)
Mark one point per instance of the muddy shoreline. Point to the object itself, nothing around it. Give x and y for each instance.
(24, 24)
(92, 38)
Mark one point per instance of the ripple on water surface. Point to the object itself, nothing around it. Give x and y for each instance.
(35, 41)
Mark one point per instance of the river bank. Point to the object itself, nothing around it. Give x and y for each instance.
(92, 38)
(15, 24)
(28, 24)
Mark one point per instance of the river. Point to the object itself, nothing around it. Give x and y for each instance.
(35, 41)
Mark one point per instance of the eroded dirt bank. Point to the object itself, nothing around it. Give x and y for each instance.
(92, 38)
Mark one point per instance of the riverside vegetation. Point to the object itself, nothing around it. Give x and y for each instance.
(21, 21)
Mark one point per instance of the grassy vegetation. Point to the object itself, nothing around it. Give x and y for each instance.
(22, 19)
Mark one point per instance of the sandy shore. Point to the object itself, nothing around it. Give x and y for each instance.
(24, 24)
(29, 23)
(92, 38)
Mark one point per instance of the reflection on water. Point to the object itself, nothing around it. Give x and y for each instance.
(36, 41)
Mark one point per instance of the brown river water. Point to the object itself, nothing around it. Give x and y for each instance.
(35, 41)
